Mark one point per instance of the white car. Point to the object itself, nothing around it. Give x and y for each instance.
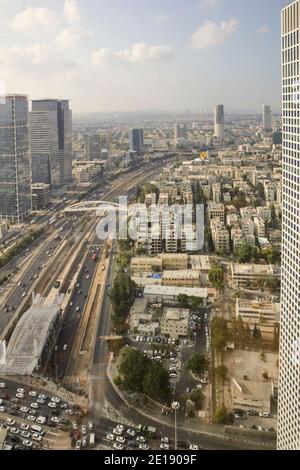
(84, 442)
(31, 418)
(56, 400)
(14, 431)
(37, 437)
(20, 396)
(55, 419)
(52, 405)
(164, 446)
(32, 393)
(2, 409)
(193, 447)
(117, 432)
(118, 446)
(110, 437)
(25, 434)
(24, 427)
(65, 347)
(74, 425)
(41, 420)
(91, 426)
(43, 397)
(41, 401)
(131, 432)
(2, 385)
(78, 445)
(121, 427)
(83, 430)
(24, 409)
(120, 439)
(165, 440)
(35, 406)
(27, 443)
(144, 447)
(141, 439)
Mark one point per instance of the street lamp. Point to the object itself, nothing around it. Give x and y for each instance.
(175, 407)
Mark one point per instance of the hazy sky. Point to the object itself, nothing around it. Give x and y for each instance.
(134, 55)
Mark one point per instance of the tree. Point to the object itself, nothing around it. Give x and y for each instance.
(221, 372)
(198, 364)
(156, 383)
(195, 303)
(220, 415)
(216, 277)
(122, 297)
(198, 398)
(183, 300)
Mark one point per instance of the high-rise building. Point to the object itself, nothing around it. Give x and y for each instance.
(289, 370)
(137, 141)
(219, 122)
(180, 132)
(51, 142)
(15, 179)
(267, 118)
(93, 147)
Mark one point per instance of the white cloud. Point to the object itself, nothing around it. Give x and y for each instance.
(35, 17)
(211, 34)
(136, 54)
(11, 57)
(71, 12)
(161, 18)
(68, 37)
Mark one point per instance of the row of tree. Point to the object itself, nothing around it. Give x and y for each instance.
(122, 297)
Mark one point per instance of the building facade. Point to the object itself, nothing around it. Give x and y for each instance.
(289, 372)
(15, 177)
(137, 141)
(219, 122)
(267, 118)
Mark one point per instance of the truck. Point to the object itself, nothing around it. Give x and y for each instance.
(92, 440)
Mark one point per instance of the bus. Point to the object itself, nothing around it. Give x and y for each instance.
(92, 439)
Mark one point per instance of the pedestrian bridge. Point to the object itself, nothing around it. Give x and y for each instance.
(94, 206)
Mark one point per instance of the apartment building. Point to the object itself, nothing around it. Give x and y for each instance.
(216, 211)
(175, 323)
(252, 274)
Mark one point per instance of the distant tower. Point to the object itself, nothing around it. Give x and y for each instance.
(137, 141)
(219, 122)
(267, 118)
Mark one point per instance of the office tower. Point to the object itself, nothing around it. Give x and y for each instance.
(15, 181)
(137, 141)
(289, 370)
(267, 118)
(219, 122)
(51, 142)
(93, 147)
(179, 132)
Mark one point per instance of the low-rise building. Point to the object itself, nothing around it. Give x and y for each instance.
(143, 264)
(250, 274)
(264, 314)
(175, 323)
(159, 293)
(187, 277)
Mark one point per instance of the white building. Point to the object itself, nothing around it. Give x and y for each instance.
(219, 122)
(289, 373)
(267, 118)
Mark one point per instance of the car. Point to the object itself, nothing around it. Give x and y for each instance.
(37, 429)
(41, 401)
(10, 422)
(110, 437)
(117, 432)
(37, 437)
(27, 443)
(55, 419)
(24, 409)
(25, 434)
(83, 429)
(33, 393)
(2, 409)
(144, 447)
(84, 442)
(14, 431)
(52, 405)
(141, 439)
(56, 399)
(252, 413)
(20, 396)
(23, 294)
(65, 347)
(120, 439)
(131, 432)
(194, 447)
(264, 414)
(24, 427)
(164, 446)
(43, 397)
(35, 406)
(165, 440)
(91, 426)
(41, 420)
(118, 446)
(74, 425)
(121, 427)
(77, 309)
(31, 418)
(2, 385)
(78, 445)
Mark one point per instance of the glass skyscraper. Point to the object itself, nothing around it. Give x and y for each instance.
(137, 141)
(15, 173)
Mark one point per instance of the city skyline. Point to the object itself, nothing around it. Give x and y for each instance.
(174, 52)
